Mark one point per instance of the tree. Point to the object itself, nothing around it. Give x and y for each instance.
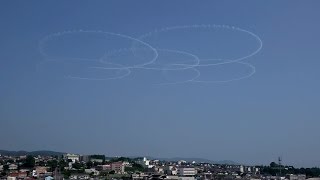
(89, 164)
(62, 164)
(30, 162)
(135, 168)
(53, 164)
(5, 168)
(66, 174)
(273, 164)
(77, 165)
(3, 173)
(97, 156)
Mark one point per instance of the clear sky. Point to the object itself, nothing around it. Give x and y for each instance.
(273, 113)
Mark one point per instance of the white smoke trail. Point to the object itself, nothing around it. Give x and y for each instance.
(45, 40)
(209, 26)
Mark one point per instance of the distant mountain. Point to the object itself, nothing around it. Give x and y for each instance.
(197, 160)
(33, 153)
(54, 153)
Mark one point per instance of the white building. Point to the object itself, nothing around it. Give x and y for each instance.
(187, 171)
(170, 170)
(79, 176)
(186, 178)
(145, 163)
(13, 167)
(96, 160)
(92, 171)
(296, 176)
(73, 157)
(241, 169)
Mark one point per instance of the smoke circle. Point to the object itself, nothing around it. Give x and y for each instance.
(90, 45)
(205, 41)
(83, 70)
(167, 59)
(207, 65)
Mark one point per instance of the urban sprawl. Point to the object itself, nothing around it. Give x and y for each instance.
(74, 166)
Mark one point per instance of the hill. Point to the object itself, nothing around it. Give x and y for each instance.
(33, 153)
(197, 160)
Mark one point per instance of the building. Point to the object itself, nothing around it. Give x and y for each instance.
(40, 171)
(145, 163)
(241, 169)
(159, 169)
(85, 158)
(187, 171)
(170, 170)
(79, 176)
(139, 176)
(92, 171)
(186, 178)
(172, 177)
(11, 178)
(73, 157)
(13, 167)
(296, 176)
(96, 160)
(19, 175)
(118, 167)
(105, 167)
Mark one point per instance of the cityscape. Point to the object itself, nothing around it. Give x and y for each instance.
(74, 166)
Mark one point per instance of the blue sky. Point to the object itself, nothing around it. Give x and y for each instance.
(253, 121)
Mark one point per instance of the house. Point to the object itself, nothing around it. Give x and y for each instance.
(13, 167)
(18, 175)
(40, 171)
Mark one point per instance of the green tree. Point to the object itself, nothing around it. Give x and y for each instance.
(77, 165)
(30, 162)
(66, 174)
(5, 168)
(273, 164)
(89, 164)
(53, 164)
(62, 164)
(3, 173)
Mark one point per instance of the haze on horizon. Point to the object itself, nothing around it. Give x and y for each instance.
(273, 111)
